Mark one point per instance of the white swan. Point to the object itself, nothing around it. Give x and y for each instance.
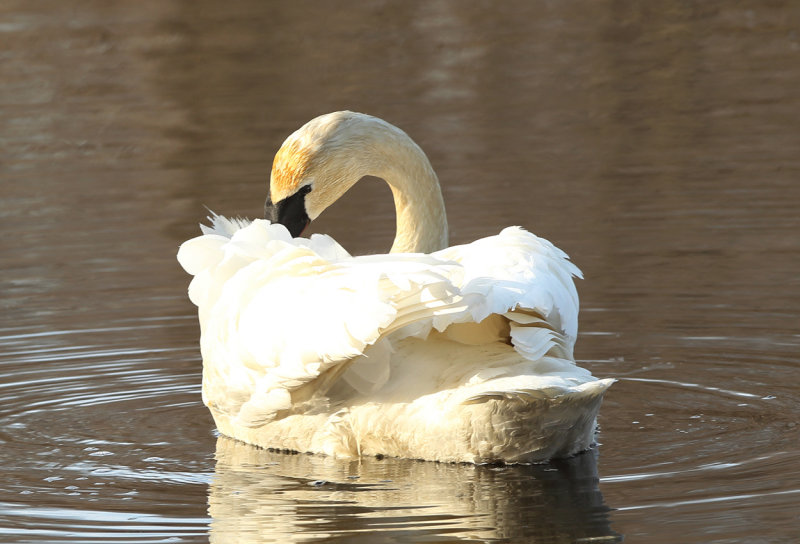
(449, 354)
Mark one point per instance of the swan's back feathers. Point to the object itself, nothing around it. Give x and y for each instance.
(284, 319)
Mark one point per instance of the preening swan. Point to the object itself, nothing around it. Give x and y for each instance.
(451, 354)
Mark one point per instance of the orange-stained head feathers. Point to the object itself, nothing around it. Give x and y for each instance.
(316, 148)
(289, 168)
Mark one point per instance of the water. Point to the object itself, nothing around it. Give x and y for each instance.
(656, 145)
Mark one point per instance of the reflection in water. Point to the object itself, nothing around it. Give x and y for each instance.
(258, 495)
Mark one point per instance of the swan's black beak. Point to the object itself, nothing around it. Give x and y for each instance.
(290, 212)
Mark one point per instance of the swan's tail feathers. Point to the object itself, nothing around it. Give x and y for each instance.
(582, 394)
(531, 425)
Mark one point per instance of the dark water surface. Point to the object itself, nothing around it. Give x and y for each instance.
(658, 146)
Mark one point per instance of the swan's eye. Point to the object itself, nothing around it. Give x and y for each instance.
(290, 212)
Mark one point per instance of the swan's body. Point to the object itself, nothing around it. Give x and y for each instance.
(456, 354)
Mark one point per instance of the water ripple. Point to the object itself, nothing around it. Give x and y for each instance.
(91, 414)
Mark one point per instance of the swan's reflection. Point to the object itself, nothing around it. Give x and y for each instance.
(261, 496)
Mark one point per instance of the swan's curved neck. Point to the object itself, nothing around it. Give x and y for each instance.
(421, 217)
(334, 151)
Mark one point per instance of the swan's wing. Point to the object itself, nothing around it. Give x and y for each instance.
(529, 281)
(281, 318)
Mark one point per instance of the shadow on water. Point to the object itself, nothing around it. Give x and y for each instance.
(259, 495)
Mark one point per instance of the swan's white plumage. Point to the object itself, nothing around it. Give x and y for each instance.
(456, 354)
(308, 348)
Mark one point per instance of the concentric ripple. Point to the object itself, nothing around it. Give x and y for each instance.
(703, 438)
(100, 429)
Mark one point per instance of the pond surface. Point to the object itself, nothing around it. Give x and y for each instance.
(658, 146)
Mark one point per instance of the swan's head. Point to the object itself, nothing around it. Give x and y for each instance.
(319, 162)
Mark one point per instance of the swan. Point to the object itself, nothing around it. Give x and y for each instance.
(456, 354)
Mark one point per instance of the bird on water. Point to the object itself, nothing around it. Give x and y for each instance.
(461, 353)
